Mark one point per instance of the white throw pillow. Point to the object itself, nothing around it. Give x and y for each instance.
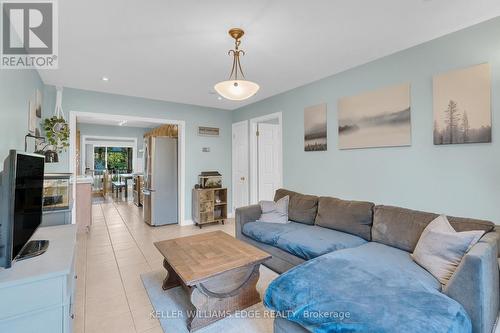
(440, 248)
(274, 212)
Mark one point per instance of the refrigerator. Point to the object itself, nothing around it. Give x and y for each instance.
(160, 206)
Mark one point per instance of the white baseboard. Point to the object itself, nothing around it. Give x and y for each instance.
(187, 222)
(191, 222)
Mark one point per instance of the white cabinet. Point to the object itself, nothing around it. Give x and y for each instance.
(36, 294)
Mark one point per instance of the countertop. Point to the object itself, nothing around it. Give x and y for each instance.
(83, 180)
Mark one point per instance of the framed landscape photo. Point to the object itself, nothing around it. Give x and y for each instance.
(315, 128)
(462, 106)
(379, 118)
(38, 104)
(32, 118)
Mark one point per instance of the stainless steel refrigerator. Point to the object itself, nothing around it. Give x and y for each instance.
(160, 181)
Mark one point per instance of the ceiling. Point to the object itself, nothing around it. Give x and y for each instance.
(177, 50)
(114, 122)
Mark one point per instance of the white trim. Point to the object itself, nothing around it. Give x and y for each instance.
(233, 176)
(105, 116)
(121, 144)
(188, 222)
(129, 142)
(104, 138)
(253, 152)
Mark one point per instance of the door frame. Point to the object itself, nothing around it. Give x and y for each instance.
(254, 179)
(233, 157)
(117, 117)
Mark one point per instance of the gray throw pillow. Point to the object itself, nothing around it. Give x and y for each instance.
(440, 248)
(274, 212)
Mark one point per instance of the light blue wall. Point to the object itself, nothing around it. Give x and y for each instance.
(17, 87)
(456, 179)
(219, 157)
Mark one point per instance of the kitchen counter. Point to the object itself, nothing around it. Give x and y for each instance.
(83, 179)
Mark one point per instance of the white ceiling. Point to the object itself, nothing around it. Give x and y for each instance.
(114, 122)
(176, 50)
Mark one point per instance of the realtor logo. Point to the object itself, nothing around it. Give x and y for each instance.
(29, 35)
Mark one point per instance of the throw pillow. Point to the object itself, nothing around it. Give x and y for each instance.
(440, 248)
(274, 212)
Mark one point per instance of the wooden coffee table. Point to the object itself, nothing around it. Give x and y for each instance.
(218, 271)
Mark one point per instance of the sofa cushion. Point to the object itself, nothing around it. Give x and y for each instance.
(268, 233)
(281, 261)
(440, 248)
(302, 208)
(401, 227)
(301, 240)
(312, 241)
(274, 212)
(379, 287)
(354, 217)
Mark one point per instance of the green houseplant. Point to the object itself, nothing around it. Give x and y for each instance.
(57, 132)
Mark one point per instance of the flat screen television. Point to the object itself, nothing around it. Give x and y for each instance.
(22, 201)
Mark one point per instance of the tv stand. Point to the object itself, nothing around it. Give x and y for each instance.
(32, 249)
(37, 295)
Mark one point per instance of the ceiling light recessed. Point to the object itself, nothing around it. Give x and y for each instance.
(105, 78)
(236, 88)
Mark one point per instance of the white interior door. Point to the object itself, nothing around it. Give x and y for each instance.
(268, 160)
(240, 164)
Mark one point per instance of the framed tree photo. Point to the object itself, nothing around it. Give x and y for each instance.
(462, 106)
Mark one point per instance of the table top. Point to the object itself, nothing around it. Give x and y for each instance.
(127, 175)
(200, 257)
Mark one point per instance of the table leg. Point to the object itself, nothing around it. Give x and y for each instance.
(223, 295)
(172, 279)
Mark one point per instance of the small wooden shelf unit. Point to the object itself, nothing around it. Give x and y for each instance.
(209, 205)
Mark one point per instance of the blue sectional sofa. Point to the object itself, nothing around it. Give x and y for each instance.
(346, 267)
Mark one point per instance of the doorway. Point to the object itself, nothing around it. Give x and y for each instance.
(102, 118)
(266, 156)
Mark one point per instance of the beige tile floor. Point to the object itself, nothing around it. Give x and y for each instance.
(118, 248)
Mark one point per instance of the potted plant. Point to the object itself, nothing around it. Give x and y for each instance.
(57, 133)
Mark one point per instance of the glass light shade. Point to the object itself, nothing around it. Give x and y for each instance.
(237, 90)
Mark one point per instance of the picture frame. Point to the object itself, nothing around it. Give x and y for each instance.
(32, 118)
(377, 118)
(462, 106)
(315, 128)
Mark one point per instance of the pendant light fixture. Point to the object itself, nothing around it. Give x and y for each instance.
(236, 88)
